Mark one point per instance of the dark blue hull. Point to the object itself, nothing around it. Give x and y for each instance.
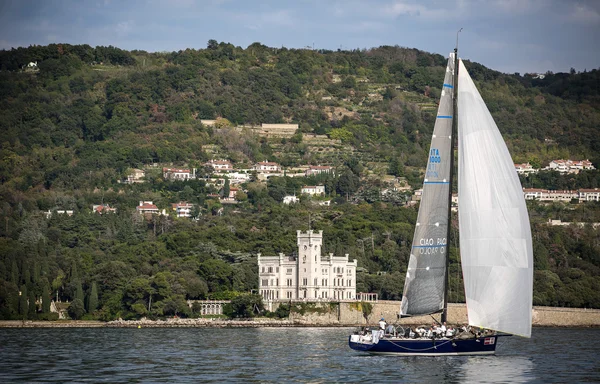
(427, 347)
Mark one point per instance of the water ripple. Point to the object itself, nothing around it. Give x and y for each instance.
(274, 355)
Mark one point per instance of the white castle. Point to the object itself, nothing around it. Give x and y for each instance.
(310, 276)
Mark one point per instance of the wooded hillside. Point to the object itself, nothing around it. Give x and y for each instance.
(75, 124)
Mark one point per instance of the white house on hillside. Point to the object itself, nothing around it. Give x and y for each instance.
(146, 207)
(313, 190)
(570, 166)
(290, 199)
(589, 194)
(220, 165)
(103, 208)
(549, 195)
(176, 174)
(136, 176)
(238, 177)
(525, 169)
(267, 166)
(182, 209)
(318, 169)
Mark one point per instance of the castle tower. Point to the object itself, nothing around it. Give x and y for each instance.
(309, 263)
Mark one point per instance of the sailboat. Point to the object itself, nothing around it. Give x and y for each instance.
(495, 236)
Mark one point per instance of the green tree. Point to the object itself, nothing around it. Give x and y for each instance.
(396, 167)
(217, 275)
(32, 310)
(195, 287)
(535, 162)
(14, 273)
(23, 305)
(9, 300)
(79, 291)
(347, 183)
(388, 94)
(46, 297)
(93, 298)
(76, 310)
(212, 44)
(226, 189)
(245, 306)
(349, 82)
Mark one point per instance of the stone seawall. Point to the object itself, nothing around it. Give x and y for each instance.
(51, 324)
(349, 314)
(341, 315)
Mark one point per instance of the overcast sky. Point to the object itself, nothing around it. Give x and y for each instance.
(506, 35)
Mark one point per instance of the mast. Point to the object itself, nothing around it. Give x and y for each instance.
(444, 316)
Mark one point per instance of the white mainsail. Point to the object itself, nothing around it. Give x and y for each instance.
(424, 287)
(495, 236)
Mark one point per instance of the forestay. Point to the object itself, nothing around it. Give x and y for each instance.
(495, 236)
(424, 285)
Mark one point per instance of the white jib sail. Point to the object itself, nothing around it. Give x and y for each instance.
(495, 236)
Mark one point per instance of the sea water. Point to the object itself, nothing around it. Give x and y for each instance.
(275, 355)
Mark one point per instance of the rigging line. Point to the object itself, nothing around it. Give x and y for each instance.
(434, 319)
(499, 345)
(424, 349)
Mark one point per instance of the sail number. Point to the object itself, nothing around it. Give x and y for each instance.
(434, 156)
(434, 160)
(432, 247)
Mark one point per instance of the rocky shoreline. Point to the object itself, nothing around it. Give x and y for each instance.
(215, 323)
(168, 323)
(345, 315)
(210, 323)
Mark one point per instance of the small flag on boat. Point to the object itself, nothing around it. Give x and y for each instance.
(489, 341)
